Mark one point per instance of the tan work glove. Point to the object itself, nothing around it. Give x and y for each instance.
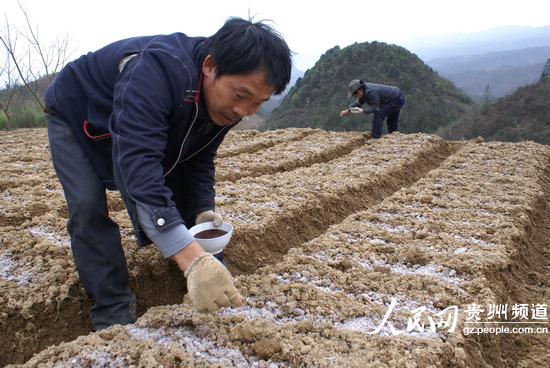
(210, 285)
(209, 216)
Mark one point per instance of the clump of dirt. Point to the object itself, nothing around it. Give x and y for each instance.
(348, 255)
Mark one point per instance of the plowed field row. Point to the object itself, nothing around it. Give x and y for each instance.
(250, 141)
(319, 146)
(275, 212)
(330, 235)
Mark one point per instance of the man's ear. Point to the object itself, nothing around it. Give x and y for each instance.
(209, 66)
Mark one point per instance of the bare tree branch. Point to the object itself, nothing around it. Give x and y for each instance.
(7, 74)
(36, 61)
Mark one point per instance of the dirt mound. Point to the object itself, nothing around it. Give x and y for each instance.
(350, 253)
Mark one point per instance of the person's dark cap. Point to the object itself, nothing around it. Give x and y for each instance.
(354, 85)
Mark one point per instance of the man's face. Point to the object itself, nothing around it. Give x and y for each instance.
(232, 96)
(359, 93)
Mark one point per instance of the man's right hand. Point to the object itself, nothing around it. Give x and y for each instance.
(210, 285)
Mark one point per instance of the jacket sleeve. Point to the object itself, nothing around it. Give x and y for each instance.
(358, 103)
(139, 126)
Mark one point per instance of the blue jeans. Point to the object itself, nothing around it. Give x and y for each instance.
(390, 111)
(95, 238)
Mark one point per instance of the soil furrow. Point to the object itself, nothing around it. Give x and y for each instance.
(272, 213)
(238, 142)
(322, 249)
(431, 246)
(317, 147)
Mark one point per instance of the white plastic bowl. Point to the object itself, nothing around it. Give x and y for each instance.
(213, 245)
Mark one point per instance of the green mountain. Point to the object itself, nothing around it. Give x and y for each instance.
(317, 99)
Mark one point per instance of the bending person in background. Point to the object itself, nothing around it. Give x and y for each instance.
(383, 101)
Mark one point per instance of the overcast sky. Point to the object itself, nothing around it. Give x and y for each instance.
(310, 27)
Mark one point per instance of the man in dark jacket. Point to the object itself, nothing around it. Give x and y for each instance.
(383, 101)
(145, 116)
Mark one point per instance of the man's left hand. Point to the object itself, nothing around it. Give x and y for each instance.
(209, 215)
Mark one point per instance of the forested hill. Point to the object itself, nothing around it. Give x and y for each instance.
(521, 116)
(317, 99)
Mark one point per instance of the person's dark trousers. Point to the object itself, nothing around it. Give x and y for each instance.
(390, 111)
(95, 238)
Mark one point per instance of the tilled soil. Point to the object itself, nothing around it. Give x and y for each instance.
(350, 252)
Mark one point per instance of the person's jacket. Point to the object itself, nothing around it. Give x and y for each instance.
(376, 96)
(136, 110)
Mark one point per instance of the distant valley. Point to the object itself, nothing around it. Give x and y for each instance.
(502, 58)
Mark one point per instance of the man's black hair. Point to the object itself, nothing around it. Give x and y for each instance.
(243, 47)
